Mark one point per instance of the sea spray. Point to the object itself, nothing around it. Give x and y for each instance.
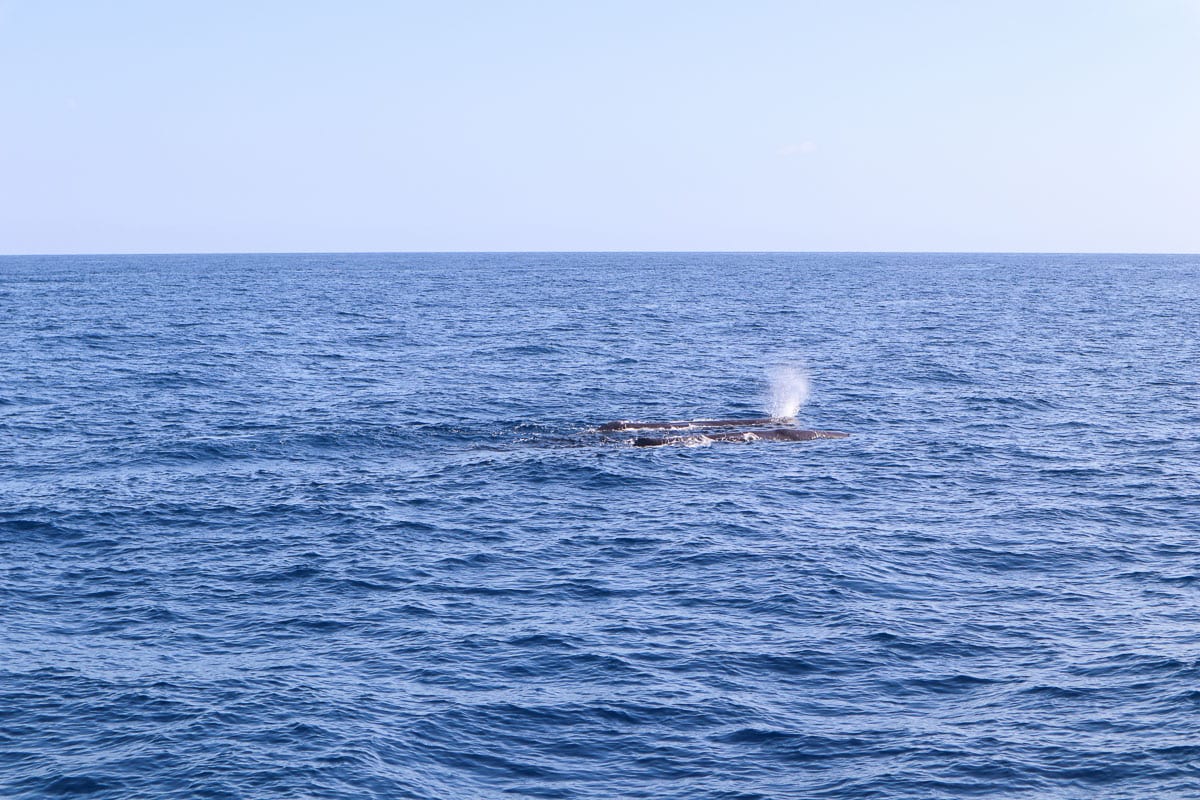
(788, 389)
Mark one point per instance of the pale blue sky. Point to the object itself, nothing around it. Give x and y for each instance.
(157, 126)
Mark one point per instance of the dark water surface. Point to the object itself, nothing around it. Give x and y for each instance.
(334, 527)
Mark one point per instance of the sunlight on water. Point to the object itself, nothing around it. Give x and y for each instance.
(787, 391)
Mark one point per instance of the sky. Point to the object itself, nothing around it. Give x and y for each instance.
(136, 126)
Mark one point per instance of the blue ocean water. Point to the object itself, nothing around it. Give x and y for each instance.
(339, 526)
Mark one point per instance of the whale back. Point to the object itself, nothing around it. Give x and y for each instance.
(769, 435)
(630, 425)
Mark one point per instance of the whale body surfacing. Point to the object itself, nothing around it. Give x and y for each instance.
(771, 435)
(628, 425)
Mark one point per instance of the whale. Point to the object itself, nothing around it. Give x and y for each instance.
(767, 435)
(630, 425)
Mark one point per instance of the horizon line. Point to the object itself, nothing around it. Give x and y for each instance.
(602, 252)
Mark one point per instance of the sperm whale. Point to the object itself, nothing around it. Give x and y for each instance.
(629, 425)
(769, 435)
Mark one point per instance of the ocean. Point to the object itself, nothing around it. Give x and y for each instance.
(342, 526)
